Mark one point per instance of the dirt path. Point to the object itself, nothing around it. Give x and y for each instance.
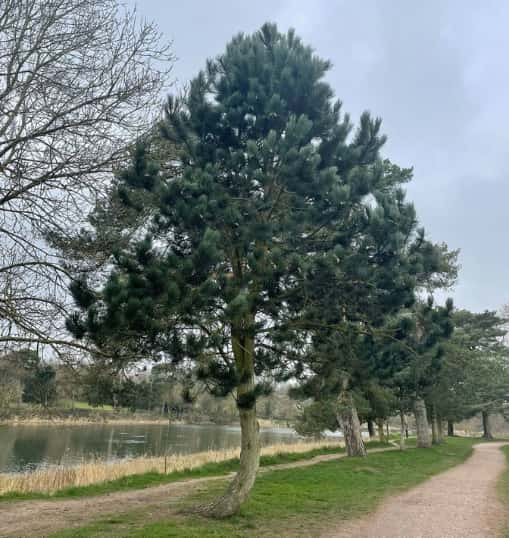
(41, 518)
(458, 503)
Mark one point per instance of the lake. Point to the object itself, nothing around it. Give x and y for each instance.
(29, 447)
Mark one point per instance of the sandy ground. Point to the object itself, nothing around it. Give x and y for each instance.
(458, 503)
(41, 518)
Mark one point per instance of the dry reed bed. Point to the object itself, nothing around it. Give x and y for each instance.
(56, 478)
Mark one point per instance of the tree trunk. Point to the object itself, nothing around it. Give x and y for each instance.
(371, 428)
(434, 436)
(436, 427)
(486, 425)
(421, 424)
(350, 424)
(450, 428)
(440, 429)
(239, 488)
(402, 430)
(380, 428)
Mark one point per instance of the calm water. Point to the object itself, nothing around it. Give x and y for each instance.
(25, 447)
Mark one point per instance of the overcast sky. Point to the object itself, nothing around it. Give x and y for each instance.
(436, 72)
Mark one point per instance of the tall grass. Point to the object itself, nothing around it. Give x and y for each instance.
(53, 479)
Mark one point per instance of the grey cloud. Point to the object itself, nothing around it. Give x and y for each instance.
(434, 71)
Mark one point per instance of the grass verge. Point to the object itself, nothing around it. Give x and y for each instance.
(190, 467)
(297, 502)
(503, 489)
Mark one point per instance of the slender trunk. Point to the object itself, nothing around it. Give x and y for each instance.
(350, 424)
(239, 488)
(450, 428)
(434, 436)
(440, 429)
(486, 425)
(380, 428)
(371, 428)
(421, 424)
(402, 430)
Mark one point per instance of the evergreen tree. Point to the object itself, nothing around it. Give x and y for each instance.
(266, 195)
(384, 262)
(474, 376)
(412, 361)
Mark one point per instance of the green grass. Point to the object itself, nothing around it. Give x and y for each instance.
(68, 404)
(145, 480)
(503, 488)
(297, 502)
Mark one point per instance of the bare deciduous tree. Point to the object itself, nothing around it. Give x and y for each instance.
(79, 80)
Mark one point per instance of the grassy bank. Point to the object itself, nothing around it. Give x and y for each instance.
(298, 502)
(79, 413)
(102, 477)
(503, 489)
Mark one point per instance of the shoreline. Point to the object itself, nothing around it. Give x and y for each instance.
(53, 479)
(103, 419)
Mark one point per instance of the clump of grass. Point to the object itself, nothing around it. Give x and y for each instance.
(55, 479)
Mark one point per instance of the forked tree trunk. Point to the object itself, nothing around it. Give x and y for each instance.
(371, 428)
(239, 488)
(350, 424)
(421, 424)
(380, 428)
(486, 425)
(450, 428)
(402, 430)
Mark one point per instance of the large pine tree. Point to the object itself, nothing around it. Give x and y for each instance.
(268, 192)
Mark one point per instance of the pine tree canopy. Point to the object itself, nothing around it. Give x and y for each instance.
(274, 217)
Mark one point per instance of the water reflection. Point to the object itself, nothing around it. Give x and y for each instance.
(27, 447)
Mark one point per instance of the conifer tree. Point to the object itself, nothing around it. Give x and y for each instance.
(413, 360)
(385, 261)
(474, 375)
(266, 195)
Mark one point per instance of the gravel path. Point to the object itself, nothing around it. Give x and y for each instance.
(458, 503)
(36, 519)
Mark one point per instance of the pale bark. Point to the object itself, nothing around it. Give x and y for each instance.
(421, 424)
(437, 435)
(239, 488)
(486, 425)
(350, 424)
